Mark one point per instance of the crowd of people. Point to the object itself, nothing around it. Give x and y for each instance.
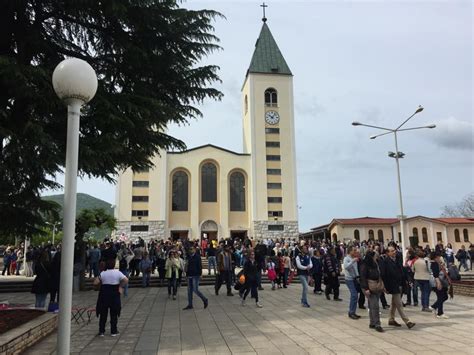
(370, 270)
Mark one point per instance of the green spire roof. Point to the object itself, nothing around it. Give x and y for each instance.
(267, 57)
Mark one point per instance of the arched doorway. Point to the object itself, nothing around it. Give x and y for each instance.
(209, 230)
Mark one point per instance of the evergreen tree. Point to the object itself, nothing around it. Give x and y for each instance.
(147, 56)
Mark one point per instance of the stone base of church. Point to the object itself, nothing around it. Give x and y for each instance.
(156, 230)
(261, 229)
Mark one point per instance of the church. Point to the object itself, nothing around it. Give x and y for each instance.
(209, 191)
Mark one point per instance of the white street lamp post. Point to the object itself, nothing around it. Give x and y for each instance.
(75, 83)
(54, 228)
(397, 155)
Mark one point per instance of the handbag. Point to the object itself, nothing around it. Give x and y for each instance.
(97, 283)
(376, 286)
(311, 282)
(432, 278)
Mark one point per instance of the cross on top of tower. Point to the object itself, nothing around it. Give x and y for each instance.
(263, 6)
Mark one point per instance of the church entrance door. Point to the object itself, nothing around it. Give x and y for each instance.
(209, 230)
(176, 235)
(240, 235)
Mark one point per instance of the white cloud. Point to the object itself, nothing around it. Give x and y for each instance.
(454, 133)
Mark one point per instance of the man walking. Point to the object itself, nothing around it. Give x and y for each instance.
(332, 271)
(224, 264)
(193, 274)
(94, 258)
(392, 275)
(351, 275)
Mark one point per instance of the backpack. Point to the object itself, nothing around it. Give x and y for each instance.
(453, 273)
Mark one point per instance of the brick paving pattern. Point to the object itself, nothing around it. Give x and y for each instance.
(152, 324)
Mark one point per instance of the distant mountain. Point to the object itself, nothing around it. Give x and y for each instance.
(84, 201)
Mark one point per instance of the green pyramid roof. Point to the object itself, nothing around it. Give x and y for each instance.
(267, 57)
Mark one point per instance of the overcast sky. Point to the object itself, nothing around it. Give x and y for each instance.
(370, 61)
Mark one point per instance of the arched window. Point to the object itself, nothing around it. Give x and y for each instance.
(424, 235)
(237, 191)
(180, 191)
(371, 235)
(457, 237)
(209, 183)
(415, 232)
(356, 234)
(465, 234)
(271, 97)
(380, 235)
(334, 237)
(246, 104)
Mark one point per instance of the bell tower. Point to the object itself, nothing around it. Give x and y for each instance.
(268, 133)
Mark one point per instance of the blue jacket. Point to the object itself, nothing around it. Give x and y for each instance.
(317, 265)
(194, 265)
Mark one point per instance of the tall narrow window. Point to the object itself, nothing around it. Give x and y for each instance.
(465, 234)
(271, 97)
(424, 235)
(246, 104)
(237, 191)
(439, 236)
(180, 191)
(371, 235)
(356, 234)
(380, 235)
(457, 237)
(209, 183)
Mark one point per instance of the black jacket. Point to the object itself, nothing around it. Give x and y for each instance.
(251, 271)
(392, 275)
(194, 265)
(42, 282)
(368, 273)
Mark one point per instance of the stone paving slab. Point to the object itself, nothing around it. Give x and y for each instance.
(153, 324)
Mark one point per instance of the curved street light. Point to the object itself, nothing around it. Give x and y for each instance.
(397, 155)
(75, 83)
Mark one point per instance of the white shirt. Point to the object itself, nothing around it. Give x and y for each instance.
(111, 277)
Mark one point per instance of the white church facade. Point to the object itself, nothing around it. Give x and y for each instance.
(212, 191)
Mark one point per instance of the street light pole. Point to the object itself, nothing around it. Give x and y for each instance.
(75, 82)
(397, 155)
(402, 216)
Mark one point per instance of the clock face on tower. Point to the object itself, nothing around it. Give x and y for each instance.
(272, 117)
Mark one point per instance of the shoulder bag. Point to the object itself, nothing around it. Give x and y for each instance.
(376, 286)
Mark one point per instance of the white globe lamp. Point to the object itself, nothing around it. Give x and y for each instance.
(75, 83)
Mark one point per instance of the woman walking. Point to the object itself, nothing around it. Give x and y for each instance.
(251, 271)
(422, 278)
(304, 265)
(372, 285)
(111, 281)
(172, 267)
(442, 283)
(42, 282)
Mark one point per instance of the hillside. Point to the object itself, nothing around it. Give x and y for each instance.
(84, 201)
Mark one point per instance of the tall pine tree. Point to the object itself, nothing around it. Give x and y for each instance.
(147, 56)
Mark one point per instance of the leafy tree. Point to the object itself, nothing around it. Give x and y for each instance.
(87, 220)
(147, 57)
(465, 208)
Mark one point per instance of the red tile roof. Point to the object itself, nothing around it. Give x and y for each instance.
(366, 220)
(456, 220)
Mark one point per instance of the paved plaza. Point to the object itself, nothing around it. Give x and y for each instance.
(151, 324)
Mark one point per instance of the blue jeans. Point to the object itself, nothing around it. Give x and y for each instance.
(463, 263)
(211, 264)
(146, 279)
(425, 292)
(304, 283)
(354, 295)
(94, 269)
(193, 286)
(40, 300)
